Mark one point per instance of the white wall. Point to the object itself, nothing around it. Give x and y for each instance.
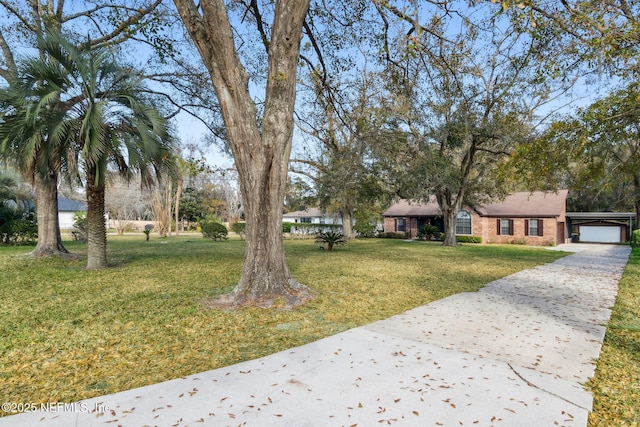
(66, 220)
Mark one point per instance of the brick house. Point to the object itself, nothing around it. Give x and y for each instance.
(531, 218)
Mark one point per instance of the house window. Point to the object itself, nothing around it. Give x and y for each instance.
(401, 225)
(305, 220)
(463, 222)
(533, 227)
(505, 227)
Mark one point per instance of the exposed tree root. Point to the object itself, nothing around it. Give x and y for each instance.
(292, 295)
(52, 251)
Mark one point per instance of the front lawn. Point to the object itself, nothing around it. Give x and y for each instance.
(616, 385)
(70, 334)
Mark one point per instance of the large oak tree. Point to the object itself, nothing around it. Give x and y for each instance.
(261, 144)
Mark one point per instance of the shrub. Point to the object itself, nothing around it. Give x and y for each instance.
(331, 238)
(427, 232)
(286, 227)
(239, 228)
(468, 239)
(80, 224)
(635, 239)
(392, 235)
(366, 223)
(17, 226)
(365, 229)
(213, 229)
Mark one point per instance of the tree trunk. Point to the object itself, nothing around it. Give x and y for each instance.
(449, 205)
(168, 199)
(177, 206)
(449, 220)
(636, 199)
(261, 152)
(49, 237)
(96, 228)
(347, 227)
(266, 280)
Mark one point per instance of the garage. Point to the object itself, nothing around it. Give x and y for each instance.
(600, 227)
(600, 234)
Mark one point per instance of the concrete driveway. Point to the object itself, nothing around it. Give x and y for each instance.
(516, 353)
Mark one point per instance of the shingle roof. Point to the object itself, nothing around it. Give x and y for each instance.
(68, 205)
(414, 208)
(527, 204)
(522, 204)
(307, 213)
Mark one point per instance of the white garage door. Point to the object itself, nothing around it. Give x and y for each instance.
(589, 233)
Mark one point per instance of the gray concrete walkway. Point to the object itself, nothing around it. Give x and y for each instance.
(516, 353)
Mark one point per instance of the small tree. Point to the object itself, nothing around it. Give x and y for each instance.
(80, 227)
(366, 223)
(331, 238)
(160, 203)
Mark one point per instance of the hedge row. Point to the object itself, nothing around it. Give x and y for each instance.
(468, 239)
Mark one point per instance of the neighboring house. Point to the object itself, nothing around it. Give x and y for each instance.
(310, 216)
(532, 218)
(66, 210)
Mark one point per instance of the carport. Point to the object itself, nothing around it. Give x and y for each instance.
(601, 227)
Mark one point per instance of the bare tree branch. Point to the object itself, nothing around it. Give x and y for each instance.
(11, 69)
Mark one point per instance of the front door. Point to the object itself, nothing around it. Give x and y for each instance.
(560, 233)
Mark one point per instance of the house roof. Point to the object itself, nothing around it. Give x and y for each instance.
(521, 204)
(68, 205)
(406, 207)
(601, 215)
(307, 213)
(527, 204)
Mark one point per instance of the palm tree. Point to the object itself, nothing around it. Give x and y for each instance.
(24, 141)
(331, 238)
(95, 116)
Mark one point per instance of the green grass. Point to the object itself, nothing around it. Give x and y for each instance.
(616, 384)
(70, 334)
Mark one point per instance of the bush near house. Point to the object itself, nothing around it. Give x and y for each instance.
(365, 229)
(392, 235)
(635, 239)
(428, 232)
(366, 223)
(286, 227)
(468, 239)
